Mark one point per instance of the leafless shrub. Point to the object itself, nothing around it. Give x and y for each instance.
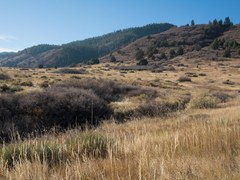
(161, 109)
(4, 76)
(71, 71)
(184, 79)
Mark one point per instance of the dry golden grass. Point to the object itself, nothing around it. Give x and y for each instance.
(197, 144)
(194, 144)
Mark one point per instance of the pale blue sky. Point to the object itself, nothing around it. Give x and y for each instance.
(26, 23)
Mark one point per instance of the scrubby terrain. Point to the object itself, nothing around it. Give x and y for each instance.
(175, 117)
(174, 124)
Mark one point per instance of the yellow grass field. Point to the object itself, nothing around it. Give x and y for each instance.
(195, 143)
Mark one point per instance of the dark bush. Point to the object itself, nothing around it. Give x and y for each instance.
(180, 51)
(228, 82)
(139, 54)
(74, 102)
(227, 53)
(4, 88)
(106, 89)
(4, 76)
(27, 83)
(63, 106)
(202, 74)
(143, 62)
(172, 53)
(93, 61)
(163, 56)
(184, 79)
(113, 58)
(71, 71)
(221, 96)
(52, 107)
(44, 84)
(191, 74)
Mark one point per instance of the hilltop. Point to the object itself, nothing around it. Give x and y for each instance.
(79, 51)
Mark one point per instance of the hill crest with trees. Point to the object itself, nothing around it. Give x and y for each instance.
(79, 51)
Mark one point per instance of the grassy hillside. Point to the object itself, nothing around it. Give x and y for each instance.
(79, 51)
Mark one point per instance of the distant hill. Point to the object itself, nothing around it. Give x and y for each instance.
(79, 51)
(6, 54)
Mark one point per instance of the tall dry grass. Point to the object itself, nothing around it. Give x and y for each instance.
(197, 144)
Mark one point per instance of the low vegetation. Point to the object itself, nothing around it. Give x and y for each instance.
(170, 112)
(184, 79)
(71, 71)
(74, 102)
(4, 76)
(187, 146)
(209, 100)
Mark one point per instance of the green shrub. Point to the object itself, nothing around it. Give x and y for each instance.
(16, 88)
(27, 83)
(95, 145)
(52, 152)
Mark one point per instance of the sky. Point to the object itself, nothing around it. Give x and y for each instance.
(26, 23)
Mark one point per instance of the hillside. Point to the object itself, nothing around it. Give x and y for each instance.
(79, 51)
(205, 41)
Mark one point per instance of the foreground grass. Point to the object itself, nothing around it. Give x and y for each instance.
(197, 144)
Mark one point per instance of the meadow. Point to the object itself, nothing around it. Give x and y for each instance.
(183, 123)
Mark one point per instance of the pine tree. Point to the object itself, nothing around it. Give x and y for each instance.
(143, 62)
(139, 54)
(192, 23)
(227, 53)
(227, 22)
(172, 53)
(180, 51)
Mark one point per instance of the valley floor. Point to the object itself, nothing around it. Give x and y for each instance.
(200, 142)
